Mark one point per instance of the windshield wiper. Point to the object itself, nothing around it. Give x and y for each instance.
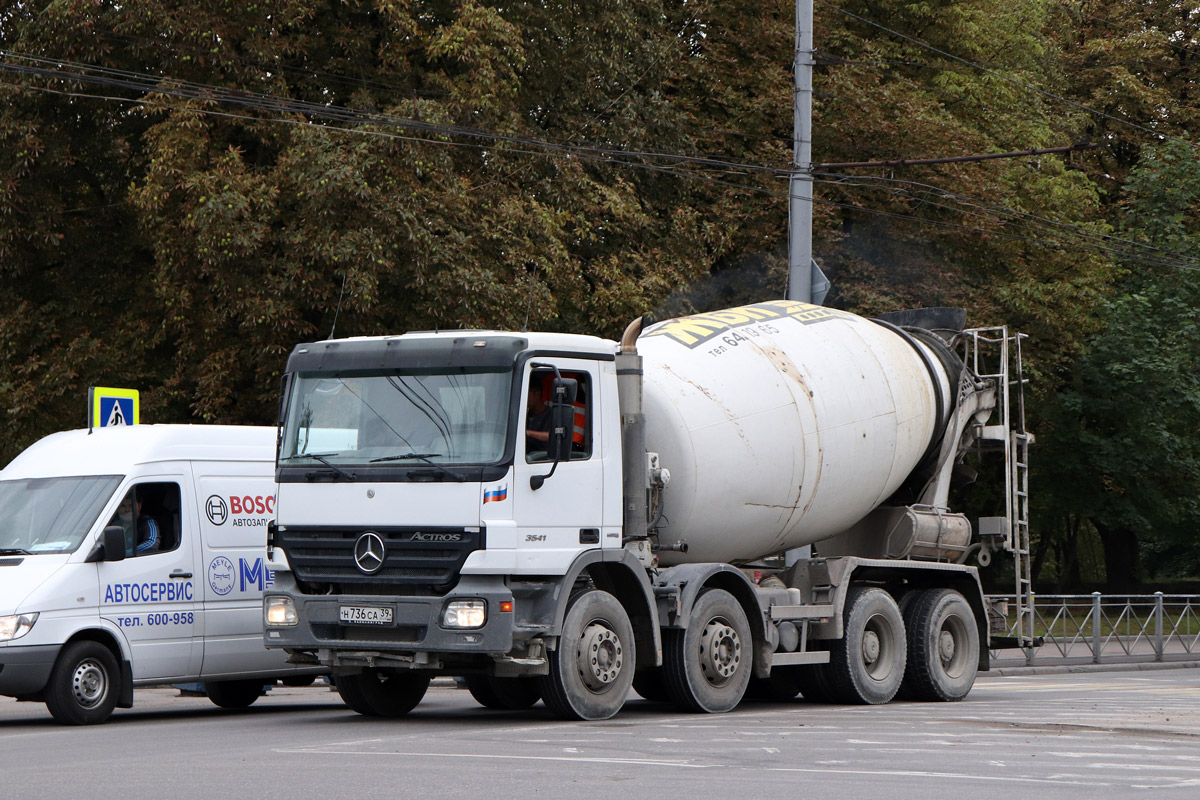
(323, 458)
(14, 551)
(405, 457)
(422, 457)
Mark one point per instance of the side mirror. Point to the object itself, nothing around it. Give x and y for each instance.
(562, 431)
(113, 540)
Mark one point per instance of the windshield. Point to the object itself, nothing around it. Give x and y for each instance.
(356, 418)
(51, 515)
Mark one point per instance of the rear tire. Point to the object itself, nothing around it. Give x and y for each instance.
(383, 693)
(234, 694)
(504, 694)
(943, 646)
(83, 685)
(708, 664)
(592, 668)
(867, 664)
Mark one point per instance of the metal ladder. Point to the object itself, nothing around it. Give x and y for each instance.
(1002, 351)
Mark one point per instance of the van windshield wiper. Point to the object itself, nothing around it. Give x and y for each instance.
(14, 551)
(324, 459)
(422, 457)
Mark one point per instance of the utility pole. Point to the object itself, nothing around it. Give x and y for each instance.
(800, 185)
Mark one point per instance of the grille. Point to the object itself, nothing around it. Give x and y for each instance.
(414, 558)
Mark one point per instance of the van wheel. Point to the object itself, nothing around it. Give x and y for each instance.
(234, 694)
(707, 666)
(83, 684)
(943, 646)
(383, 693)
(504, 694)
(592, 668)
(867, 664)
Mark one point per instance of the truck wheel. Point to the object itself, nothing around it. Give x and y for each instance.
(592, 668)
(234, 694)
(504, 694)
(649, 685)
(708, 664)
(943, 646)
(867, 664)
(83, 684)
(383, 693)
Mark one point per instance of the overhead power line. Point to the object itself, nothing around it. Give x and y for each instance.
(293, 112)
(913, 162)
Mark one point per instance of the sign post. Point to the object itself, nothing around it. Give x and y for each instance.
(108, 407)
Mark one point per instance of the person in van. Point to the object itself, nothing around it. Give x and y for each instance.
(140, 529)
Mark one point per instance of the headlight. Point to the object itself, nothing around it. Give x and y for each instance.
(15, 626)
(465, 614)
(279, 611)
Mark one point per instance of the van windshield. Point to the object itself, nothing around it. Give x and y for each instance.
(51, 515)
(375, 418)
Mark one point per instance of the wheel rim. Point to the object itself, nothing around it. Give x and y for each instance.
(878, 647)
(952, 635)
(720, 652)
(89, 683)
(600, 656)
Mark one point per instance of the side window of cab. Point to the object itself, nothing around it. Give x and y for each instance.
(149, 515)
(537, 416)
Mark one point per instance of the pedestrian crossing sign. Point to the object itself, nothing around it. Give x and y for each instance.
(108, 407)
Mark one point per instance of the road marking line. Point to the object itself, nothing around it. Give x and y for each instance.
(632, 762)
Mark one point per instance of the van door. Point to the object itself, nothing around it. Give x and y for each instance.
(237, 500)
(151, 595)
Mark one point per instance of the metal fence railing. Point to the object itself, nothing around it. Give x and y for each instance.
(1103, 629)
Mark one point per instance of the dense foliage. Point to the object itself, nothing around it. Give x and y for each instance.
(189, 189)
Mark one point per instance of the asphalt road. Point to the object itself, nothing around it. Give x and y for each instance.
(1093, 735)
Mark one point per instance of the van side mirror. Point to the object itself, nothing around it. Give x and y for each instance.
(113, 540)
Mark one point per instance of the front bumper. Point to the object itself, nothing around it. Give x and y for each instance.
(414, 635)
(26, 670)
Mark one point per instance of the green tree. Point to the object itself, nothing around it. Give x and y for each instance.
(1124, 449)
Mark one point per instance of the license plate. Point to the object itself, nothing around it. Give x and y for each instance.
(365, 615)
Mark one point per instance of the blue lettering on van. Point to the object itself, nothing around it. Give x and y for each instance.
(172, 592)
(254, 575)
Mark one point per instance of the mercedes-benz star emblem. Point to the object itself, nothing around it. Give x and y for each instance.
(369, 552)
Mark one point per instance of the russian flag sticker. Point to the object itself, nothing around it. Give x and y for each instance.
(496, 495)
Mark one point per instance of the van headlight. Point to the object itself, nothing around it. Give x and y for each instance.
(279, 611)
(465, 614)
(14, 626)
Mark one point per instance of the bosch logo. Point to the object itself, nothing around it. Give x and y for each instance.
(437, 537)
(216, 509)
(369, 553)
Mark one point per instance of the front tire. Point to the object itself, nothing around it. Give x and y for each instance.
(83, 685)
(234, 694)
(504, 694)
(383, 693)
(707, 665)
(943, 646)
(867, 664)
(592, 668)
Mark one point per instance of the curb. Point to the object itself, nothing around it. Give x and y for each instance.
(1063, 669)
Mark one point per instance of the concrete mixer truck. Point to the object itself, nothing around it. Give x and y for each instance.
(750, 500)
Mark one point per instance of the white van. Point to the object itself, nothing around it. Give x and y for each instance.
(133, 556)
